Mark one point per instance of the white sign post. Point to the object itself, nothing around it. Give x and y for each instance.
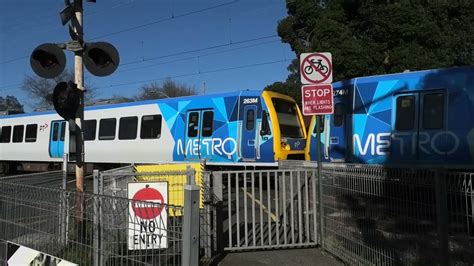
(316, 68)
(147, 226)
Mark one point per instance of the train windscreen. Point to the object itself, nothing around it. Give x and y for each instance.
(290, 126)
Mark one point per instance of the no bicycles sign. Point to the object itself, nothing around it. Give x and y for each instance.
(316, 68)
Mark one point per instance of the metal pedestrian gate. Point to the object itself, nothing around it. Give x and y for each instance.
(267, 209)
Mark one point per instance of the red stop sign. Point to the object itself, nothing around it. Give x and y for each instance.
(147, 210)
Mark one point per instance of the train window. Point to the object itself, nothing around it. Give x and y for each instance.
(63, 130)
(207, 121)
(405, 113)
(250, 119)
(338, 114)
(107, 129)
(433, 111)
(265, 125)
(18, 133)
(6, 134)
(31, 132)
(55, 131)
(288, 118)
(128, 127)
(151, 127)
(89, 129)
(193, 120)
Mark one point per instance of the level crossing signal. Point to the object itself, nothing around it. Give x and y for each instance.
(100, 58)
(66, 99)
(48, 60)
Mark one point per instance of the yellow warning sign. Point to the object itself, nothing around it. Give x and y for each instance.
(175, 175)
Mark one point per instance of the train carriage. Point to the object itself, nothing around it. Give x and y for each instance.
(422, 117)
(257, 127)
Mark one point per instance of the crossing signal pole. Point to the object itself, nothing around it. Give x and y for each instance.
(48, 61)
(79, 80)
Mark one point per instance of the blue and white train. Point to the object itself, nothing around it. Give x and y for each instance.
(228, 128)
(422, 117)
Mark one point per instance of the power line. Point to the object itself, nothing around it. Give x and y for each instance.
(15, 86)
(188, 74)
(11, 85)
(199, 50)
(198, 56)
(14, 59)
(194, 74)
(165, 19)
(140, 26)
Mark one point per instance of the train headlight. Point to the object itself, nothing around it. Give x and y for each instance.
(285, 146)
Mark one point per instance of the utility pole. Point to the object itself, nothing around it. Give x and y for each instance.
(48, 61)
(79, 80)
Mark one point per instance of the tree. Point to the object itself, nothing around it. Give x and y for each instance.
(168, 89)
(10, 104)
(114, 99)
(41, 89)
(371, 37)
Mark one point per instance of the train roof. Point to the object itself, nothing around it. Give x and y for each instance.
(405, 75)
(163, 100)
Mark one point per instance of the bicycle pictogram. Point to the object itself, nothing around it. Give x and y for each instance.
(315, 68)
(316, 64)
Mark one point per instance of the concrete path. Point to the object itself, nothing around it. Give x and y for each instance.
(310, 256)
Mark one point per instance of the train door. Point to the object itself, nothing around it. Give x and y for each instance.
(249, 129)
(192, 135)
(199, 144)
(405, 129)
(432, 137)
(206, 149)
(56, 140)
(337, 140)
(419, 132)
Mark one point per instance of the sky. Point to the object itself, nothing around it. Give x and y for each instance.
(213, 46)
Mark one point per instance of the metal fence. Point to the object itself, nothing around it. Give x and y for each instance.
(267, 209)
(114, 183)
(371, 215)
(375, 215)
(94, 229)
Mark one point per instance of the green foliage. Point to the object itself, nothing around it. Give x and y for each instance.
(372, 37)
(10, 104)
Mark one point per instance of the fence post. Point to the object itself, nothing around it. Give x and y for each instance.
(442, 215)
(191, 175)
(96, 236)
(190, 251)
(65, 160)
(321, 206)
(63, 208)
(219, 215)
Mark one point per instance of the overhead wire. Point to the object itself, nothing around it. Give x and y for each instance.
(197, 56)
(165, 19)
(195, 73)
(185, 75)
(141, 26)
(15, 86)
(200, 49)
